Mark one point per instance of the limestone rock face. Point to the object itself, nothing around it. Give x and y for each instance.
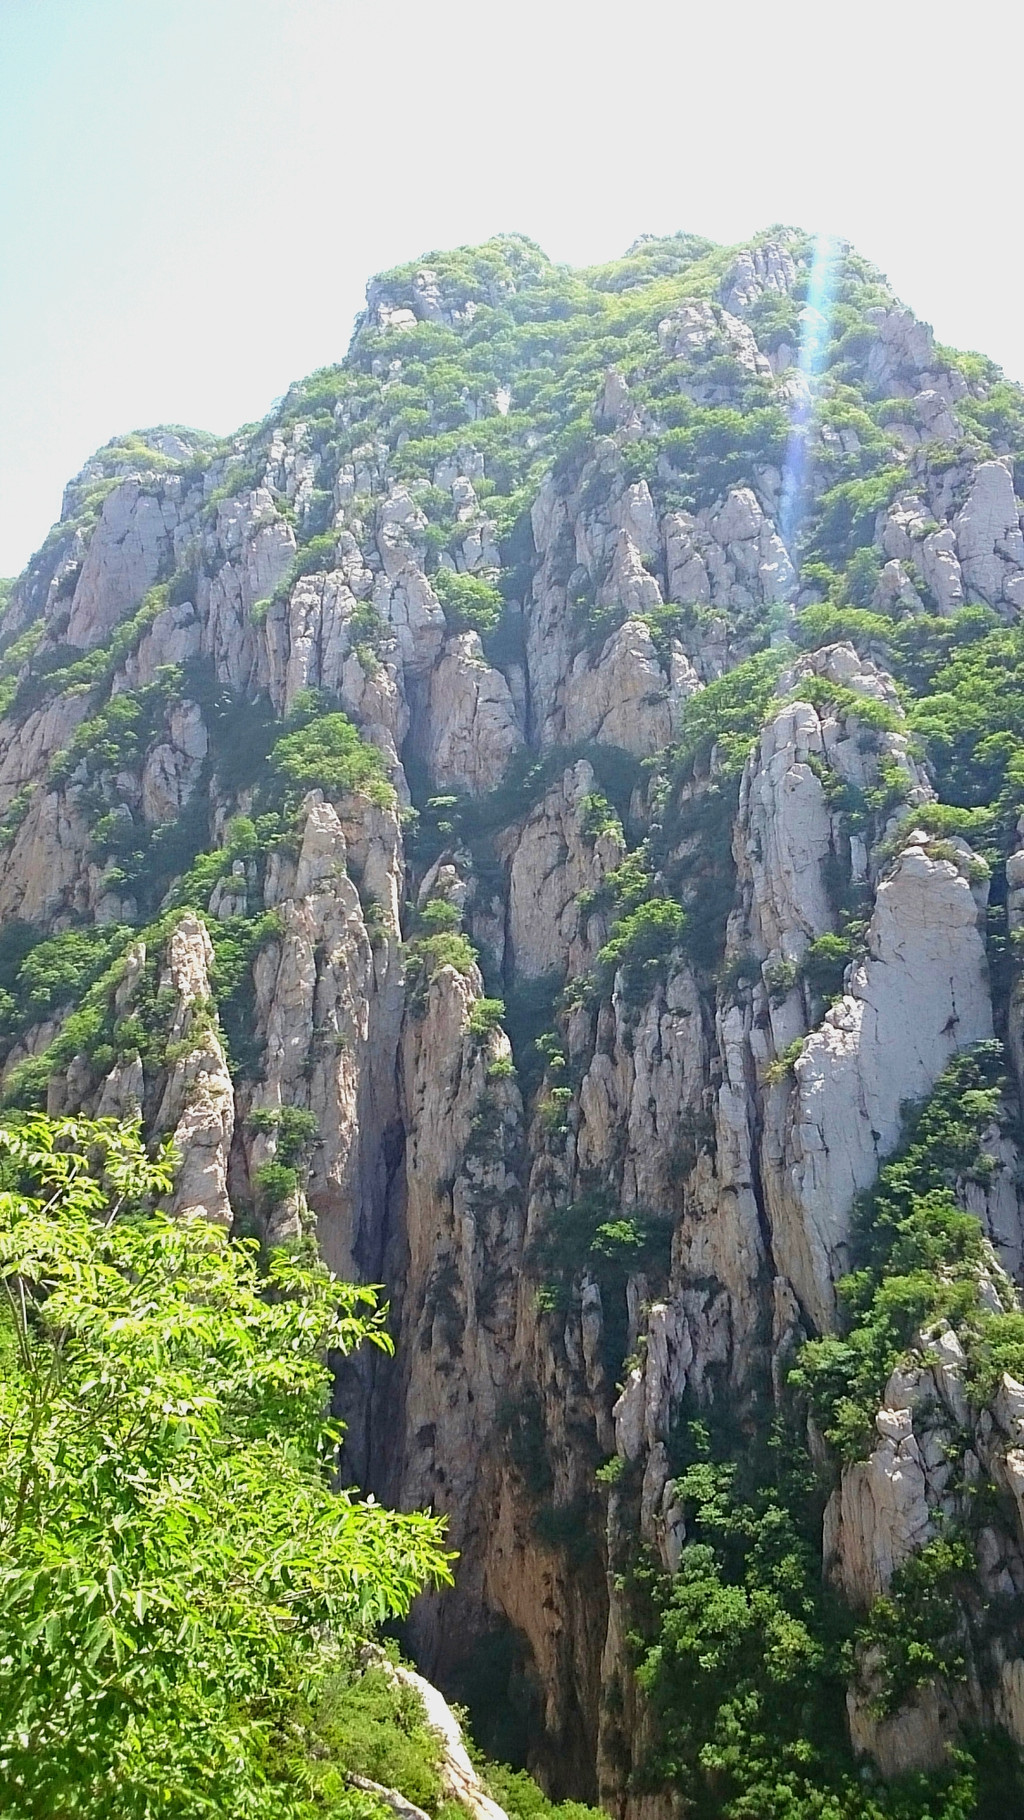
(915, 1486)
(130, 545)
(624, 698)
(463, 1227)
(902, 353)
(645, 1077)
(920, 994)
(47, 874)
(914, 1739)
(174, 637)
(989, 537)
(730, 558)
(26, 748)
(976, 553)
(172, 769)
(317, 640)
(626, 690)
(880, 1516)
(788, 833)
(328, 1011)
(198, 1104)
(406, 600)
(768, 267)
(472, 717)
(309, 637)
(555, 859)
(247, 552)
(583, 1030)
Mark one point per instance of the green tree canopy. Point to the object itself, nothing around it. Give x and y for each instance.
(176, 1574)
(326, 753)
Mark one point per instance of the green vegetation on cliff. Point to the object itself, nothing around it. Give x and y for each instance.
(746, 1652)
(920, 1259)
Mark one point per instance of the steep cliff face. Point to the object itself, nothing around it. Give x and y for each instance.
(539, 810)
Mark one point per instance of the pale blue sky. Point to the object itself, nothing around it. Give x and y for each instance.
(194, 192)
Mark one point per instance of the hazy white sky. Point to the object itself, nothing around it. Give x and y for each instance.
(193, 193)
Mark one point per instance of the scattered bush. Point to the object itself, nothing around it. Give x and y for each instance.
(485, 1015)
(640, 947)
(328, 754)
(745, 1654)
(595, 1235)
(824, 964)
(469, 603)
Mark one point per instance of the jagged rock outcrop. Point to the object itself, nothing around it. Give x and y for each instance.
(129, 547)
(977, 554)
(472, 719)
(328, 1007)
(198, 1103)
(919, 995)
(556, 858)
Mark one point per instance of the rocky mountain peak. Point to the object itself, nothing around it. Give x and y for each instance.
(544, 812)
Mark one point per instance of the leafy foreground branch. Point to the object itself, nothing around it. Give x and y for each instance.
(179, 1584)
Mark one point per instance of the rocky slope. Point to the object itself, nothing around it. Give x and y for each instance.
(538, 810)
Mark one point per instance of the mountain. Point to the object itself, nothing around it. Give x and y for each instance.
(544, 811)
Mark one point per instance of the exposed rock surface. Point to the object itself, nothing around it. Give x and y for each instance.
(556, 858)
(919, 995)
(474, 731)
(129, 546)
(198, 1105)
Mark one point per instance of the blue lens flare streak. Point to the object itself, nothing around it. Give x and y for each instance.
(815, 328)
